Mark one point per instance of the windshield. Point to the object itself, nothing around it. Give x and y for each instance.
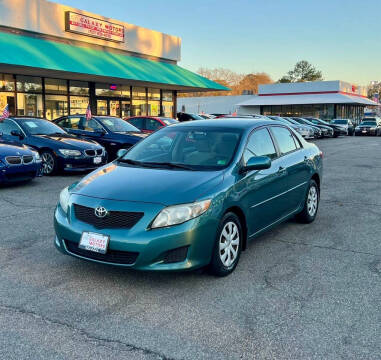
(189, 148)
(117, 124)
(196, 117)
(168, 121)
(372, 123)
(342, 122)
(40, 127)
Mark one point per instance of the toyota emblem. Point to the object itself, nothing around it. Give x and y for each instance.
(100, 212)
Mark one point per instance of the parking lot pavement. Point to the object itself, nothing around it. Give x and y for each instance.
(299, 291)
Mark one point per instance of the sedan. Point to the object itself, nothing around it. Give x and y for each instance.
(59, 150)
(191, 195)
(149, 124)
(18, 163)
(368, 126)
(336, 129)
(346, 124)
(112, 133)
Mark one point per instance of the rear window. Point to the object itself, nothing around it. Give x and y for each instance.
(343, 122)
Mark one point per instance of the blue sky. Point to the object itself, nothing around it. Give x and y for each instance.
(339, 37)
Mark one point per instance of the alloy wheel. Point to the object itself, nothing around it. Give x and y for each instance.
(47, 163)
(312, 201)
(229, 244)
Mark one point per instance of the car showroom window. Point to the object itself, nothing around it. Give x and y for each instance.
(260, 144)
(284, 138)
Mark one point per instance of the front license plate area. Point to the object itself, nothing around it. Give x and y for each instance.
(97, 160)
(94, 242)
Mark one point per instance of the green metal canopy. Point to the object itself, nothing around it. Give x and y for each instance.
(31, 52)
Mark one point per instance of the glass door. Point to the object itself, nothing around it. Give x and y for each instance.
(102, 107)
(114, 107)
(126, 109)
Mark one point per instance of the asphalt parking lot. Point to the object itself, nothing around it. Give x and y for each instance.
(299, 291)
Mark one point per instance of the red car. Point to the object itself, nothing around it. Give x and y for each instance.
(149, 124)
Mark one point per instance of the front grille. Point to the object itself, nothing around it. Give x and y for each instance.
(112, 256)
(94, 152)
(113, 220)
(175, 255)
(27, 159)
(13, 160)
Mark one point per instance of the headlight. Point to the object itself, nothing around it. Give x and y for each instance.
(67, 152)
(37, 156)
(64, 199)
(173, 215)
(373, 128)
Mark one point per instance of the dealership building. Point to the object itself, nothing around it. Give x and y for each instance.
(322, 99)
(55, 60)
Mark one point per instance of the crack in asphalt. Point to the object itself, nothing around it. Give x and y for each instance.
(326, 247)
(106, 342)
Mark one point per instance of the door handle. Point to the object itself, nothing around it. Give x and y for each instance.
(282, 170)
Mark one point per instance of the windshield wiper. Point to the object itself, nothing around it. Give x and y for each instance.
(172, 165)
(129, 161)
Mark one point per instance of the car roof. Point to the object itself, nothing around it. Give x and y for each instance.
(238, 123)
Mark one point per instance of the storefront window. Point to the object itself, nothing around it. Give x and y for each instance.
(56, 106)
(154, 94)
(78, 104)
(79, 88)
(7, 98)
(138, 108)
(126, 109)
(153, 108)
(107, 90)
(29, 84)
(55, 86)
(102, 107)
(29, 105)
(167, 96)
(7, 82)
(125, 91)
(138, 93)
(167, 108)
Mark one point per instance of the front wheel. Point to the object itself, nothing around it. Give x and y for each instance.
(49, 163)
(228, 246)
(311, 204)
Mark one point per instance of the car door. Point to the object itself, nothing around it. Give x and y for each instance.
(70, 124)
(261, 189)
(295, 162)
(8, 128)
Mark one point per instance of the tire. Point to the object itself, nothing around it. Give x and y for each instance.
(49, 163)
(229, 224)
(308, 214)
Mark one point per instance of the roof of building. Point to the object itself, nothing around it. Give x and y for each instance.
(330, 98)
(58, 59)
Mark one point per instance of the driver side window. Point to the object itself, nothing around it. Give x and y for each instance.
(90, 125)
(260, 144)
(7, 126)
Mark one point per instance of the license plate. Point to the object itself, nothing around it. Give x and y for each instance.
(97, 160)
(364, 131)
(94, 242)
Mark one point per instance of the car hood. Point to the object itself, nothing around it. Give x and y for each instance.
(11, 149)
(123, 182)
(367, 126)
(69, 142)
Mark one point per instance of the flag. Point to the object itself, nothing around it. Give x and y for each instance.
(88, 113)
(5, 113)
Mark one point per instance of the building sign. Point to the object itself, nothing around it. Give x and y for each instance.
(86, 25)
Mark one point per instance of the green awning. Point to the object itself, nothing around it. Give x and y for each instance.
(31, 52)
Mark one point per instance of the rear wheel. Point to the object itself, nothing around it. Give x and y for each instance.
(49, 163)
(228, 246)
(311, 204)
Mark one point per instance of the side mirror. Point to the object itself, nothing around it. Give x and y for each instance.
(100, 132)
(121, 152)
(17, 133)
(257, 163)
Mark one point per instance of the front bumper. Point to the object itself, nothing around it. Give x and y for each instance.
(20, 173)
(151, 246)
(365, 132)
(83, 163)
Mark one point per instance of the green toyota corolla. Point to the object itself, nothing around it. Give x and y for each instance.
(191, 195)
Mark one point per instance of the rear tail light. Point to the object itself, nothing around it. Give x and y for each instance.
(321, 154)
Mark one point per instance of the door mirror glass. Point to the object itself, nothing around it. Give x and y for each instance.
(257, 163)
(17, 133)
(121, 152)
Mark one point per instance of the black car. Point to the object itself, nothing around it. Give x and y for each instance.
(318, 132)
(111, 132)
(368, 126)
(181, 116)
(58, 149)
(337, 130)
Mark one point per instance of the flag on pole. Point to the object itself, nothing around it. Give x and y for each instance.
(5, 113)
(88, 113)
